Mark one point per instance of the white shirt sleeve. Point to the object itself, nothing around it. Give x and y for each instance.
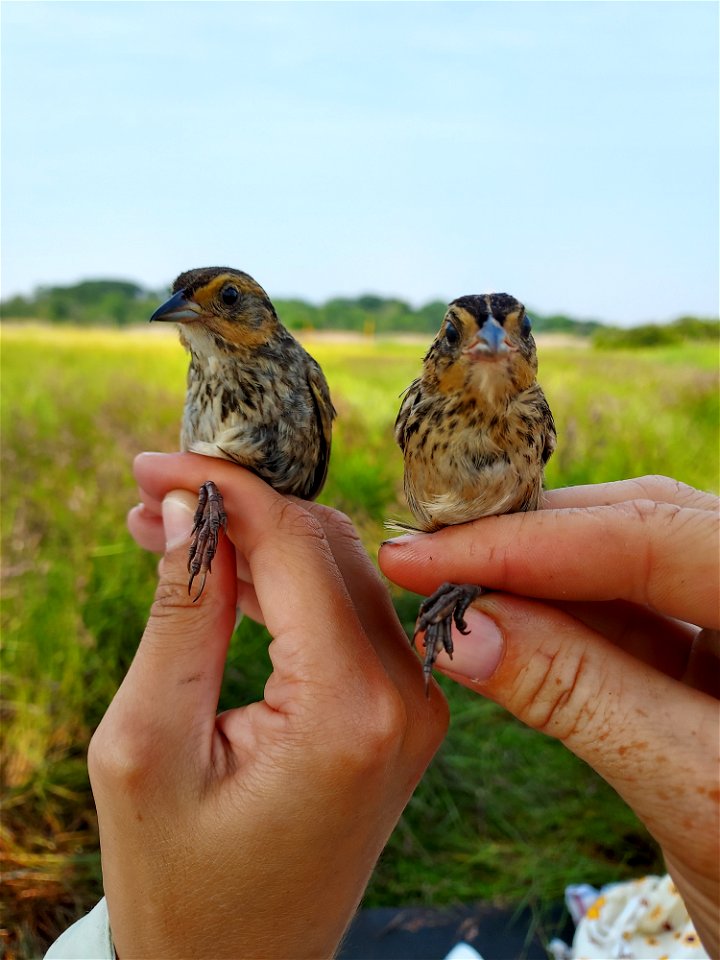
(89, 938)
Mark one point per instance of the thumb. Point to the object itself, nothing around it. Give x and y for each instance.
(178, 667)
(642, 731)
(178, 515)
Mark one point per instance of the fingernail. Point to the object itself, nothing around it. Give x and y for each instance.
(403, 540)
(178, 512)
(478, 653)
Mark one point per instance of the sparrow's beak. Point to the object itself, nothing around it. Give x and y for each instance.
(178, 309)
(490, 341)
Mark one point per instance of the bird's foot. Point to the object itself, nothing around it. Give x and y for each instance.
(435, 618)
(209, 518)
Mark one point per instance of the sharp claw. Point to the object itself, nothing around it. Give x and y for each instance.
(202, 587)
(209, 518)
(435, 618)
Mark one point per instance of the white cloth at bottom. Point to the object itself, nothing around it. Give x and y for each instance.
(639, 920)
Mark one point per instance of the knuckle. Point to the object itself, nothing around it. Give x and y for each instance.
(651, 513)
(120, 758)
(337, 525)
(639, 509)
(648, 514)
(96, 755)
(170, 596)
(662, 488)
(389, 718)
(498, 560)
(554, 694)
(297, 520)
(367, 746)
(173, 604)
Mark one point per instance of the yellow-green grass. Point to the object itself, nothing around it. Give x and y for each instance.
(502, 814)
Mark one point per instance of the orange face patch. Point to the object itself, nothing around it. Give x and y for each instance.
(246, 323)
(241, 334)
(209, 294)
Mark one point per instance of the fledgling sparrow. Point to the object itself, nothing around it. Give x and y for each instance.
(254, 395)
(476, 432)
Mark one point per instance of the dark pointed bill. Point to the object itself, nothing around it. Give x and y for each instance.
(178, 309)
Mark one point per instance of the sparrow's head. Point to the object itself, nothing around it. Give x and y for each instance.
(219, 305)
(484, 343)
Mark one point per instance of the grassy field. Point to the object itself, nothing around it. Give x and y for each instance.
(503, 814)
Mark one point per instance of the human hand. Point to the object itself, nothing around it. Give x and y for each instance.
(598, 658)
(253, 833)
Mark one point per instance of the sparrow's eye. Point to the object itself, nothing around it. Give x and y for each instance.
(525, 326)
(229, 295)
(451, 333)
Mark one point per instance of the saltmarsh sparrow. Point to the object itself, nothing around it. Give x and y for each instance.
(254, 395)
(476, 432)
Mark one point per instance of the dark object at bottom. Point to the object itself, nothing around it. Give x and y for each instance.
(417, 933)
(209, 517)
(435, 617)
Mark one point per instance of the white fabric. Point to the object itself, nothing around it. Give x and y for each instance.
(463, 951)
(640, 920)
(88, 938)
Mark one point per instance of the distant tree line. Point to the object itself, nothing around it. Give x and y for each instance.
(122, 303)
(656, 334)
(89, 303)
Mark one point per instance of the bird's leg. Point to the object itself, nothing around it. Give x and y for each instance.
(209, 517)
(435, 617)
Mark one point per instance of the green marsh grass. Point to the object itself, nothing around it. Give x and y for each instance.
(503, 814)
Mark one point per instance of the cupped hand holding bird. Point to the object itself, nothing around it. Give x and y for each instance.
(601, 629)
(253, 833)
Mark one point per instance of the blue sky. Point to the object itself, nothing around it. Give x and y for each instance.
(564, 152)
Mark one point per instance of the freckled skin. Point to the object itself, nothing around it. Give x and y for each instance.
(476, 432)
(254, 395)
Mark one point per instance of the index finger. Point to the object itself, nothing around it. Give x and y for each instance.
(656, 554)
(654, 487)
(317, 637)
